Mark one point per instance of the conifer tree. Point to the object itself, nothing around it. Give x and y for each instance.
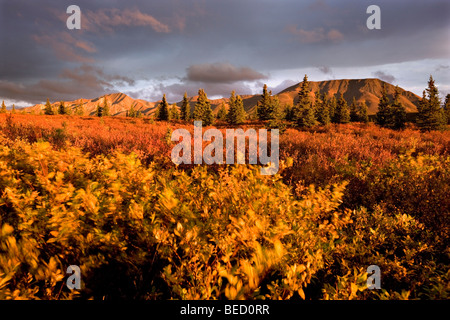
(354, 114)
(13, 110)
(62, 108)
(303, 110)
(263, 105)
(231, 108)
(276, 115)
(163, 110)
(3, 109)
(321, 109)
(99, 111)
(447, 108)
(383, 113)
(363, 112)
(239, 114)
(431, 115)
(48, 108)
(79, 111)
(202, 109)
(342, 113)
(185, 108)
(332, 105)
(174, 114)
(274, 108)
(106, 111)
(288, 112)
(397, 112)
(222, 112)
(132, 112)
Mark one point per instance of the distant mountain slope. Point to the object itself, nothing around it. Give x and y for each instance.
(118, 103)
(368, 90)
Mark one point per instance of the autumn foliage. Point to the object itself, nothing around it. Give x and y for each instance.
(103, 194)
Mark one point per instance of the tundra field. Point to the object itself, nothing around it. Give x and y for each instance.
(104, 195)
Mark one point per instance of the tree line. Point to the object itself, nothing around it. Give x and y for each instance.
(305, 113)
(308, 113)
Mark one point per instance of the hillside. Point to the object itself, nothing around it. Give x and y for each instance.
(368, 90)
(118, 103)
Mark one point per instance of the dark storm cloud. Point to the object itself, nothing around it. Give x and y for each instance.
(86, 81)
(325, 70)
(384, 76)
(140, 40)
(222, 73)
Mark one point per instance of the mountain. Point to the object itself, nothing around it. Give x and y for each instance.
(118, 103)
(368, 90)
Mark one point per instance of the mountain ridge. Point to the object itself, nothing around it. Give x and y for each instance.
(367, 90)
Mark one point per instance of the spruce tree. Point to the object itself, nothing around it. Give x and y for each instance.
(13, 110)
(174, 114)
(363, 112)
(3, 109)
(354, 114)
(274, 109)
(303, 110)
(276, 115)
(239, 114)
(397, 114)
(79, 110)
(263, 105)
(106, 111)
(321, 109)
(185, 108)
(163, 110)
(202, 109)
(62, 108)
(48, 109)
(431, 115)
(447, 108)
(132, 112)
(384, 112)
(288, 112)
(231, 114)
(342, 113)
(99, 111)
(332, 105)
(222, 112)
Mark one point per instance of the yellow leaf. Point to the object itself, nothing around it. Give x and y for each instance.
(6, 229)
(354, 289)
(301, 293)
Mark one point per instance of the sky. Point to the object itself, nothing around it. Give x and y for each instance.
(149, 48)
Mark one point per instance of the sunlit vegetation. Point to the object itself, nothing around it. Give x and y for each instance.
(102, 193)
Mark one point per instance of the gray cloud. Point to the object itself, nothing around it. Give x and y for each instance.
(315, 35)
(442, 67)
(384, 76)
(325, 70)
(85, 81)
(140, 39)
(108, 18)
(222, 73)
